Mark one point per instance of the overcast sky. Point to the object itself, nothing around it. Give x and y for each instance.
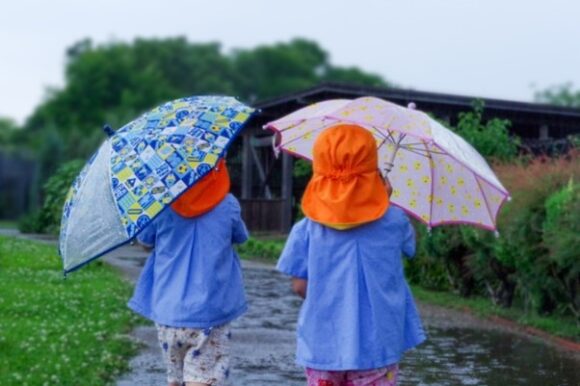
(490, 48)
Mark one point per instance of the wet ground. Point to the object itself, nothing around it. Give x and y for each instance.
(461, 349)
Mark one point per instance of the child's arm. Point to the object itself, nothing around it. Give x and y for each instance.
(146, 238)
(294, 259)
(239, 231)
(299, 286)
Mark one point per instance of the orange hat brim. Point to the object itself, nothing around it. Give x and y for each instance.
(345, 204)
(206, 194)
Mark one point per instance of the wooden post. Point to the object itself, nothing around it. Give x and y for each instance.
(247, 167)
(287, 169)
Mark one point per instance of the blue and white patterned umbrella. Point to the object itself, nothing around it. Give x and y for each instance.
(141, 169)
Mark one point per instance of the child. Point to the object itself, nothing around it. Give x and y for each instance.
(191, 285)
(358, 317)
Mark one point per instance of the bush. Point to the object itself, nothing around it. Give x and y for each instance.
(491, 139)
(562, 241)
(536, 258)
(47, 219)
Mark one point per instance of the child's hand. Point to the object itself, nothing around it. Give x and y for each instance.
(146, 248)
(299, 287)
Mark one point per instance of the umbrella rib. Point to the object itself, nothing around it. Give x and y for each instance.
(301, 136)
(299, 122)
(427, 151)
(432, 169)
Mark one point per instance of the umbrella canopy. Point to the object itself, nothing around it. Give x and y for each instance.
(436, 175)
(141, 169)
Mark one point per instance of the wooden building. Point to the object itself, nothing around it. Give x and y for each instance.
(266, 185)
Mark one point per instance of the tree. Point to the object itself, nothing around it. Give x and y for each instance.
(114, 82)
(559, 95)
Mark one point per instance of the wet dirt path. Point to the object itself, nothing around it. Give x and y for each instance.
(461, 350)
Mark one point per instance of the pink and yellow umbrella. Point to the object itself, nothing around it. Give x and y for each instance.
(436, 175)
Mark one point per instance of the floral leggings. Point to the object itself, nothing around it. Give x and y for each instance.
(195, 355)
(386, 376)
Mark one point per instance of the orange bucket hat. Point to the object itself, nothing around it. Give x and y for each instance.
(347, 188)
(206, 194)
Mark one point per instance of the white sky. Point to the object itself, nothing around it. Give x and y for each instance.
(489, 48)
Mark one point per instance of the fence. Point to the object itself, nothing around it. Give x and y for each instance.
(18, 176)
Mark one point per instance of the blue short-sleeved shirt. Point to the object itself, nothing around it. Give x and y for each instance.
(193, 277)
(359, 312)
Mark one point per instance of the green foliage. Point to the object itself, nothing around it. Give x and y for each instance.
(263, 249)
(114, 82)
(302, 169)
(47, 220)
(490, 138)
(560, 95)
(561, 238)
(7, 130)
(428, 270)
(56, 331)
(535, 261)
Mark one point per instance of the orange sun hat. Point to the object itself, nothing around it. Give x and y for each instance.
(206, 194)
(347, 188)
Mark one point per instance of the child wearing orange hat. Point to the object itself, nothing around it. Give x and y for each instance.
(191, 285)
(345, 258)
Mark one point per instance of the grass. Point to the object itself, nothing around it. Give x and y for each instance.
(56, 331)
(559, 326)
(263, 248)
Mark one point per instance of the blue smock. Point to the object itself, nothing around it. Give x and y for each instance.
(193, 277)
(359, 312)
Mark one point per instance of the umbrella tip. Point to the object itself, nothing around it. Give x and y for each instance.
(412, 106)
(108, 130)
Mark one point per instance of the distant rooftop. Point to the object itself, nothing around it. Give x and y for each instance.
(529, 120)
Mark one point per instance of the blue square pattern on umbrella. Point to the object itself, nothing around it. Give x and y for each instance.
(125, 202)
(146, 201)
(202, 124)
(170, 180)
(120, 191)
(131, 182)
(150, 181)
(143, 172)
(196, 132)
(140, 190)
(182, 169)
(163, 170)
(176, 138)
(141, 146)
(155, 162)
(175, 159)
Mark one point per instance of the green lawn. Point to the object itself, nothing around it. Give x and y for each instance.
(56, 331)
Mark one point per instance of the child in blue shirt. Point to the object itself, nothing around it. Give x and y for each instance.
(345, 258)
(191, 285)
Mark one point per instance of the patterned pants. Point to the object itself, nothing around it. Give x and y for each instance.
(386, 376)
(193, 355)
